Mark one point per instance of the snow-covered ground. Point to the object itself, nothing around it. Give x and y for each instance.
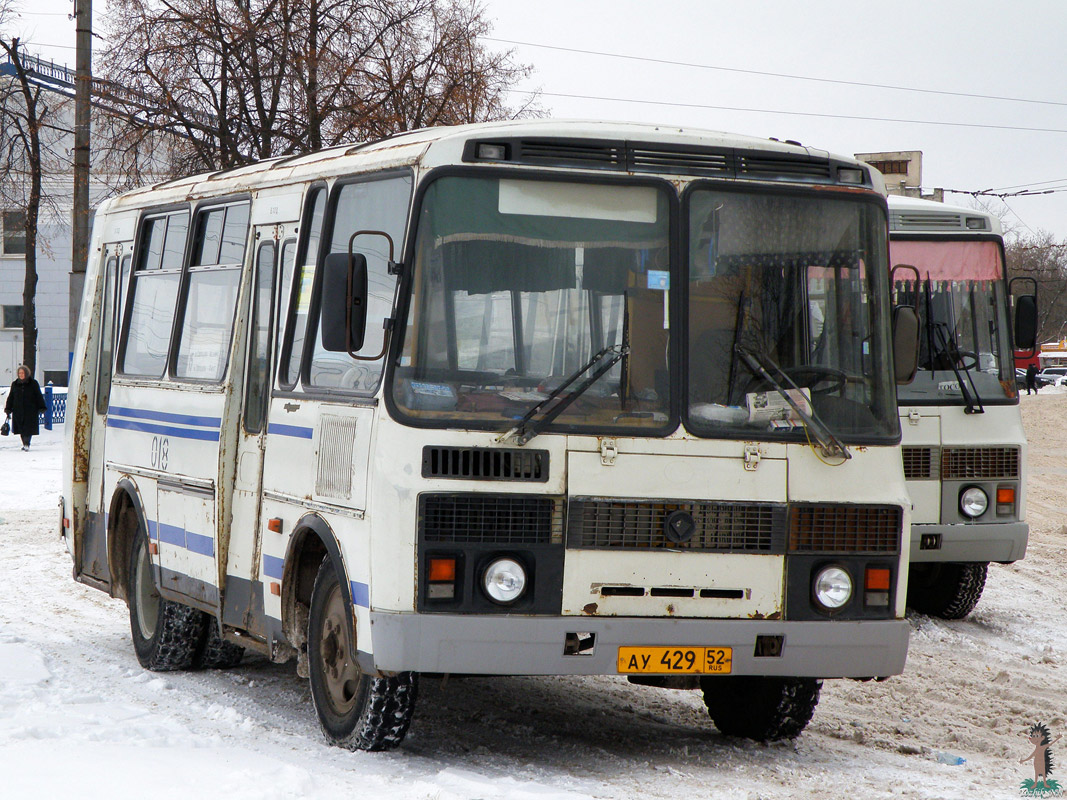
(80, 718)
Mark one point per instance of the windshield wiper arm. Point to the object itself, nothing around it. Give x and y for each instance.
(526, 430)
(830, 444)
(947, 347)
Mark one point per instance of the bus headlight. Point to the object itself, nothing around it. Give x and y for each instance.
(833, 588)
(973, 502)
(504, 580)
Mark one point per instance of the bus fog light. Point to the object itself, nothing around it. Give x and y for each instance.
(833, 587)
(973, 502)
(504, 580)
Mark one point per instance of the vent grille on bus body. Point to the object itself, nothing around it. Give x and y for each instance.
(337, 439)
(571, 153)
(835, 528)
(975, 463)
(609, 524)
(925, 221)
(484, 463)
(920, 463)
(490, 519)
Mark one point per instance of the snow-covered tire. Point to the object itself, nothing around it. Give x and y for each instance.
(948, 590)
(356, 710)
(764, 709)
(165, 634)
(214, 651)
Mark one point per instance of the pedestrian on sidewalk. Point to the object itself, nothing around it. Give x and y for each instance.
(1031, 378)
(25, 403)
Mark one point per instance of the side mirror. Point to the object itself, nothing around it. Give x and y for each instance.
(343, 318)
(1026, 322)
(905, 343)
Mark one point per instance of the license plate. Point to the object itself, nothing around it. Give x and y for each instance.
(676, 660)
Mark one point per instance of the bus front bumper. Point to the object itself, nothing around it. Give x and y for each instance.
(506, 645)
(995, 541)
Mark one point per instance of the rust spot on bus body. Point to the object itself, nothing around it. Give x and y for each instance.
(591, 608)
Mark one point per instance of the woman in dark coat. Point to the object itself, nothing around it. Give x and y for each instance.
(25, 403)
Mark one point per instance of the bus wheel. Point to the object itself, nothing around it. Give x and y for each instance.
(948, 590)
(760, 708)
(165, 634)
(356, 710)
(214, 651)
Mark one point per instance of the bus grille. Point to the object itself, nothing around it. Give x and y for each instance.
(490, 519)
(609, 524)
(844, 529)
(919, 463)
(971, 463)
(484, 463)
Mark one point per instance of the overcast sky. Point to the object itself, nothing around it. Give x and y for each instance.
(948, 48)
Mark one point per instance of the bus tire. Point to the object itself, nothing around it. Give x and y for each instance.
(356, 710)
(165, 634)
(947, 590)
(764, 709)
(214, 651)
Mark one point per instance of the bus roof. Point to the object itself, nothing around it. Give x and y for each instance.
(911, 215)
(571, 144)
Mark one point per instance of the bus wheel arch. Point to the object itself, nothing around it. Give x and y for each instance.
(125, 518)
(312, 541)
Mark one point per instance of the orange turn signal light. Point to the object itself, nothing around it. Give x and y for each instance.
(274, 524)
(442, 569)
(1005, 494)
(878, 579)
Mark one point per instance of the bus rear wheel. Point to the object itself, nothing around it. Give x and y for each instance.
(948, 590)
(764, 709)
(215, 652)
(355, 709)
(166, 634)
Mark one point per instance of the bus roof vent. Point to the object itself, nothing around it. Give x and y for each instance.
(927, 221)
(782, 165)
(484, 463)
(570, 153)
(682, 160)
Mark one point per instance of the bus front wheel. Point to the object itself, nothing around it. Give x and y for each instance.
(355, 709)
(949, 590)
(764, 709)
(166, 634)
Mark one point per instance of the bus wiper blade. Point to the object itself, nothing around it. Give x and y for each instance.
(950, 350)
(830, 444)
(525, 430)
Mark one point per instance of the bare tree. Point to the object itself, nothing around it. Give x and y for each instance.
(28, 136)
(233, 82)
(1040, 257)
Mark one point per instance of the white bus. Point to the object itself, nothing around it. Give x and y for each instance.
(530, 398)
(964, 448)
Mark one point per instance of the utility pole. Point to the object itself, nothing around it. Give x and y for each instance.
(83, 16)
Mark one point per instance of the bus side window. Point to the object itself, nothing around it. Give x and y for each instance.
(303, 280)
(154, 289)
(210, 299)
(257, 389)
(107, 331)
(380, 205)
(285, 285)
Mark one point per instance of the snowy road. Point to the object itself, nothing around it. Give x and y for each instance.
(80, 718)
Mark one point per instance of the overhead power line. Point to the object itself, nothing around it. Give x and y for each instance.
(985, 126)
(762, 73)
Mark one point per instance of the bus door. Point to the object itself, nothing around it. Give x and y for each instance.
(91, 556)
(272, 263)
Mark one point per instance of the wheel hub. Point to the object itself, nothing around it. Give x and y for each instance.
(342, 674)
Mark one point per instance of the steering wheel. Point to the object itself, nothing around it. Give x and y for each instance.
(821, 380)
(965, 356)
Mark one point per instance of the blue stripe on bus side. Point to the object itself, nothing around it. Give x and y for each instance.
(273, 567)
(298, 431)
(164, 416)
(171, 534)
(181, 433)
(198, 543)
(179, 537)
(360, 594)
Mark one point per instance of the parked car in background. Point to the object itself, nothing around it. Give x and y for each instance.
(1052, 376)
(1020, 379)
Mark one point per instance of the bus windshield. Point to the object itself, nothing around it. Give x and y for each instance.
(962, 303)
(787, 281)
(518, 284)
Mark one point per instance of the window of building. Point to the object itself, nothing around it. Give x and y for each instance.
(891, 167)
(13, 241)
(12, 317)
